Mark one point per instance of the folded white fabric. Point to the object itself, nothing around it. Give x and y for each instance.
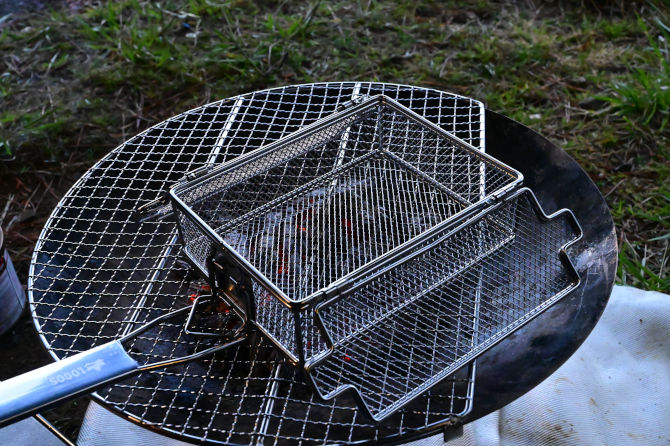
(615, 390)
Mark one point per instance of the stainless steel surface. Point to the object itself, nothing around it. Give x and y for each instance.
(95, 269)
(12, 296)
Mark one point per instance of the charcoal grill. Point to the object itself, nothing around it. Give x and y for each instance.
(97, 273)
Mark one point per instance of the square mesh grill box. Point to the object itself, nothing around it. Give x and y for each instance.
(312, 238)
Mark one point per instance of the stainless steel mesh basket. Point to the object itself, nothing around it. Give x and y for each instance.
(310, 209)
(333, 217)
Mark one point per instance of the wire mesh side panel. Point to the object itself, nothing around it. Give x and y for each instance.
(275, 319)
(95, 271)
(396, 288)
(444, 307)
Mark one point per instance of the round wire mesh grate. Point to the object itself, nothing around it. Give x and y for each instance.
(97, 271)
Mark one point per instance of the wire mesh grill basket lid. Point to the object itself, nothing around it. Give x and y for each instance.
(318, 205)
(453, 295)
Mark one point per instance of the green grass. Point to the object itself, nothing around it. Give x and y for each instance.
(594, 79)
(643, 97)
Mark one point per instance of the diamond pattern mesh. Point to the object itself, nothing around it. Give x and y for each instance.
(96, 272)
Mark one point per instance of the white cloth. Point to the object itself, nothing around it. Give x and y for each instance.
(615, 390)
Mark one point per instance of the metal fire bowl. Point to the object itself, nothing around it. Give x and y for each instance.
(504, 373)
